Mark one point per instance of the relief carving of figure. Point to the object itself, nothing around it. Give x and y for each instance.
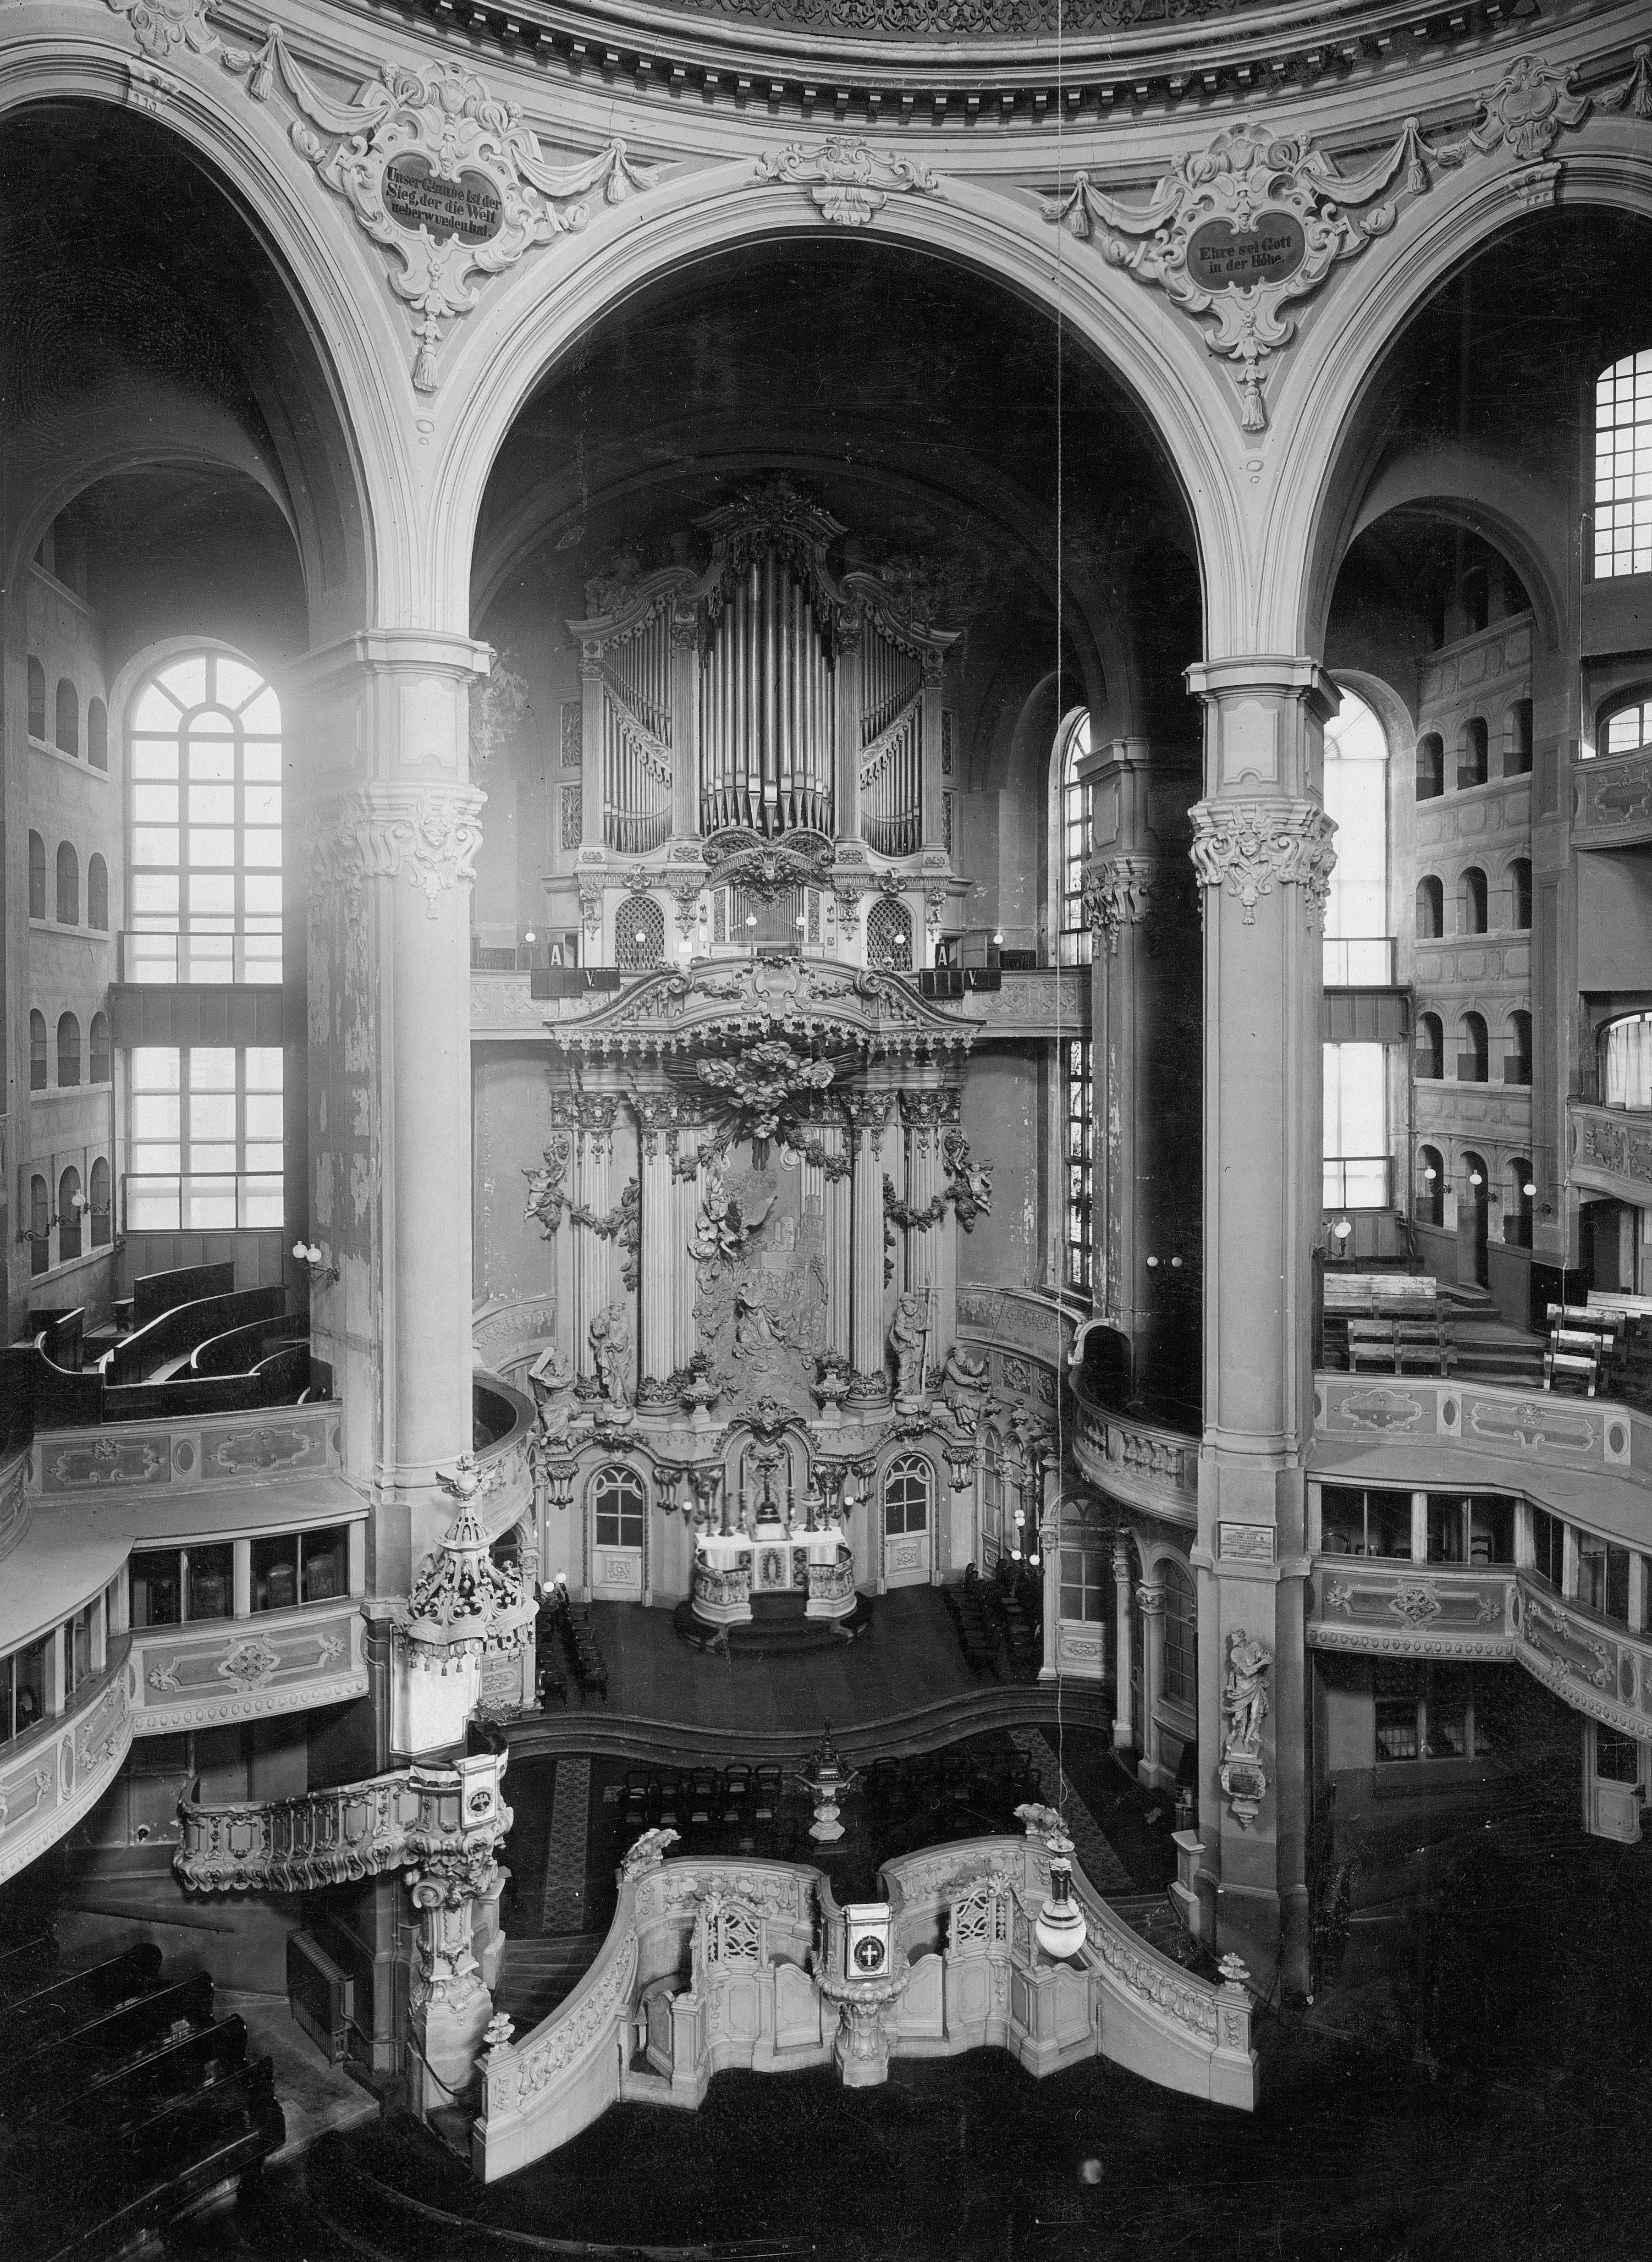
(965, 1384)
(1245, 1699)
(907, 1336)
(610, 1349)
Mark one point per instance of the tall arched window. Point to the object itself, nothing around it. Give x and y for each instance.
(97, 1049)
(907, 1483)
(1431, 766)
(203, 765)
(68, 884)
(1473, 752)
(1430, 1187)
(68, 718)
(37, 700)
(37, 1052)
(37, 877)
(1519, 1189)
(98, 894)
(1357, 799)
(1517, 1048)
(70, 1205)
(1430, 908)
(621, 1506)
(1473, 1050)
(39, 1225)
(1181, 1636)
(1471, 902)
(1521, 892)
(97, 734)
(1072, 819)
(100, 1208)
(991, 1499)
(1516, 745)
(1623, 468)
(68, 1049)
(1430, 1046)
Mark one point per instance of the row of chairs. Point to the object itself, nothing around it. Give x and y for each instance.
(565, 1631)
(694, 1798)
(1420, 1343)
(997, 1636)
(994, 1786)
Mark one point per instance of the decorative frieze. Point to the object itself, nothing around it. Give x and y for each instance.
(432, 832)
(1249, 847)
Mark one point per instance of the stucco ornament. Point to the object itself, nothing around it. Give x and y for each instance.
(1238, 232)
(1250, 847)
(1245, 1707)
(764, 1084)
(848, 182)
(1524, 113)
(431, 832)
(445, 176)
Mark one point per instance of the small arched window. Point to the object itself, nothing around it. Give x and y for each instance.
(1431, 1046)
(100, 1208)
(68, 1049)
(639, 934)
(1520, 893)
(1517, 1048)
(1181, 1636)
(1471, 902)
(1627, 730)
(907, 1482)
(97, 1049)
(68, 884)
(37, 1052)
(37, 877)
(1516, 743)
(1518, 1192)
(1430, 908)
(888, 937)
(1430, 1187)
(1626, 1078)
(1073, 821)
(1474, 1049)
(37, 700)
(1431, 766)
(98, 894)
(67, 718)
(1473, 752)
(39, 1225)
(70, 1205)
(1623, 475)
(621, 1507)
(97, 734)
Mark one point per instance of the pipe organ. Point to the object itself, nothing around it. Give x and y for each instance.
(766, 695)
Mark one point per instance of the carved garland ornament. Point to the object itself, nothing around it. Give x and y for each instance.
(848, 182)
(1249, 846)
(1238, 232)
(431, 832)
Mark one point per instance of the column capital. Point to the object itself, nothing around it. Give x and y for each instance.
(1126, 890)
(1283, 676)
(431, 831)
(1248, 847)
(384, 651)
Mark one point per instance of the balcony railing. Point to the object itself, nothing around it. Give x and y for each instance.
(51, 1775)
(1359, 1182)
(203, 952)
(1358, 961)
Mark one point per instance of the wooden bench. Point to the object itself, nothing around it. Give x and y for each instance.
(1391, 1346)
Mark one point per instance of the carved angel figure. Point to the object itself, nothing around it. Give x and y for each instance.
(970, 1182)
(610, 1349)
(546, 1199)
(723, 1229)
(907, 1335)
(1244, 1701)
(647, 1854)
(761, 1081)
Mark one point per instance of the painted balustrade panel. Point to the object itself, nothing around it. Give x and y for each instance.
(216, 1450)
(1134, 1462)
(59, 1769)
(1539, 1429)
(205, 1675)
(1611, 1150)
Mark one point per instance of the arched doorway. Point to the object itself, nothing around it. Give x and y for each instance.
(1474, 1215)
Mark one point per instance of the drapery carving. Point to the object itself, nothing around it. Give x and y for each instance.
(431, 831)
(1250, 847)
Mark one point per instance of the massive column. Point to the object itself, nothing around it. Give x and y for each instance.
(384, 966)
(1143, 1023)
(869, 1111)
(1261, 849)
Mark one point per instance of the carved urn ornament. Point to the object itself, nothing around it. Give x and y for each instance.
(463, 1603)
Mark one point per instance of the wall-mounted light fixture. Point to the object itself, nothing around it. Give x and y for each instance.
(311, 1253)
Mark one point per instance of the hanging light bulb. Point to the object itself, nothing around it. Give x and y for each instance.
(1475, 1178)
(1528, 1189)
(1061, 1928)
(528, 935)
(1430, 1174)
(751, 919)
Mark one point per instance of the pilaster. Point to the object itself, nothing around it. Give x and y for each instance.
(871, 1145)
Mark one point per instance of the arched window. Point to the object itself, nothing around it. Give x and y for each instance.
(1477, 600)
(1073, 843)
(889, 937)
(100, 1209)
(1627, 730)
(1516, 743)
(1473, 752)
(1181, 1635)
(37, 877)
(1623, 468)
(204, 801)
(1085, 1591)
(68, 1049)
(639, 934)
(1471, 902)
(1431, 1186)
(1430, 908)
(1517, 1048)
(991, 1500)
(97, 734)
(1431, 1046)
(98, 894)
(37, 1052)
(1473, 1050)
(1625, 1045)
(621, 1506)
(98, 1048)
(1520, 893)
(67, 718)
(68, 884)
(1431, 766)
(1356, 781)
(907, 1482)
(39, 1225)
(69, 1203)
(37, 700)
(1519, 1190)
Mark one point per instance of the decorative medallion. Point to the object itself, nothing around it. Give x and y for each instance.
(849, 182)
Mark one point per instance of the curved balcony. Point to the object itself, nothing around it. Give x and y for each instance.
(501, 1427)
(1139, 1464)
(57, 1770)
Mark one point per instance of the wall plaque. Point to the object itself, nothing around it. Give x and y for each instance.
(1221, 258)
(418, 196)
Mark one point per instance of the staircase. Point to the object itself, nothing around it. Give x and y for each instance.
(1489, 1350)
(540, 1974)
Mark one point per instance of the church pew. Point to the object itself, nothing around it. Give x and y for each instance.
(133, 2094)
(34, 2084)
(59, 2005)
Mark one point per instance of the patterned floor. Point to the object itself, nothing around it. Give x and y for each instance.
(1096, 1858)
(563, 1908)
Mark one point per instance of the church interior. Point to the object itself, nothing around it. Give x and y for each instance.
(827, 1205)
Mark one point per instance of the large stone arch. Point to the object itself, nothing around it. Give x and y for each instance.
(492, 371)
(346, 435)
(1313, 505)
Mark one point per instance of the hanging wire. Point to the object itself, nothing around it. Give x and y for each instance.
(1059, 914)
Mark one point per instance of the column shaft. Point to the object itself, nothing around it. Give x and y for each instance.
(870, 1113)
